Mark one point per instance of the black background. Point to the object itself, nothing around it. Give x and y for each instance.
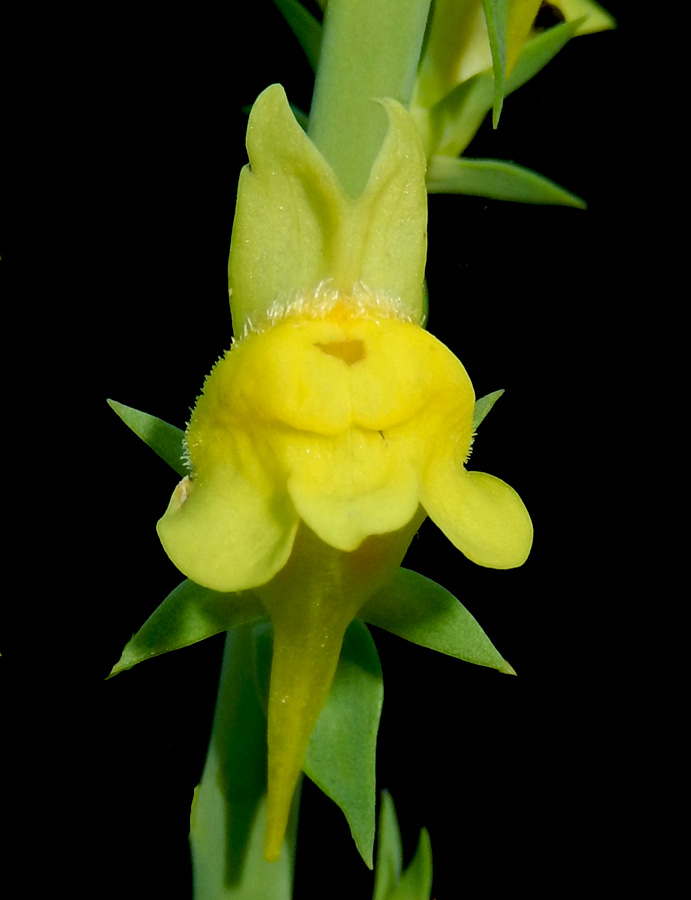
(125, 139)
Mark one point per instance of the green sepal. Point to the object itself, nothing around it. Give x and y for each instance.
(423, 612)
(496, 179)
(455, 119)
(390, 882)
(483, 405)
(495, 16)
(164, 439)
(296, 229)
(189, 614)
(306, 28)
(341, 754)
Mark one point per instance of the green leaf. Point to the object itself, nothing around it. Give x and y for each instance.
(164, 439)
(342, 751)
(306, 28)
(496, 179)
(423, 612)
(341, 754)
(389, 884)
(416, 882)
(389, 850)
(457, 117)
(495, 16)
(189, 614)
(229, 808)
(483, 406)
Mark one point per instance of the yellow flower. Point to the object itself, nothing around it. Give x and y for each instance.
(317, 447)
(343, 415)
(334, 424)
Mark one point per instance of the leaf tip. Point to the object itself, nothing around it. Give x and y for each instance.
(117, 668)
(120, 666)
(507, 668)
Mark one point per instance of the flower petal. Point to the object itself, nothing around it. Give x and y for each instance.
(227, 531)
(480, 514)
(351, 486)
(405, 373)
(285, 375)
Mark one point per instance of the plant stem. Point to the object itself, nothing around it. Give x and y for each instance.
(229, 810)
(370, 50)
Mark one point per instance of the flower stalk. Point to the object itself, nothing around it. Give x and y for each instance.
(369, 51)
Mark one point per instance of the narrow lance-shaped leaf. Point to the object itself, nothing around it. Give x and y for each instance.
(460, 113)
(391, 883)
(495, 15)
(164, 439)
(496, 179)
(416, 881)
(306, 28)
(423, 612)
(389, 850)
(483, 405)
(189, 614)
